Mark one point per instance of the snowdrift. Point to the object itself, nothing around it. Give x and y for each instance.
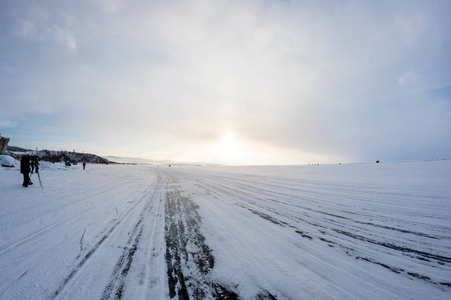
(8, 161)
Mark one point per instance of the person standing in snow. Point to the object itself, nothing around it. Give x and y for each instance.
(84, 165)
(36, 164)
(25, 170)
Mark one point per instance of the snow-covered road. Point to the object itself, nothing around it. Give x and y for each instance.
(351, 231)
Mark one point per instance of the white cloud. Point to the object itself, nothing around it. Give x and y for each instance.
(412, 26)
(409, 78)
(30, 22)
(7, 123)
(110, 6)
(45, 25)
(65, 37)
(25, 27)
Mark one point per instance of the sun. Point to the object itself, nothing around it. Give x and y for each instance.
(228, 147)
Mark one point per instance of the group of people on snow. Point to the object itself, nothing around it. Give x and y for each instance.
(27, 167)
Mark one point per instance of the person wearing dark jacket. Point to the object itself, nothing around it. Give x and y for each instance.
(25, 170)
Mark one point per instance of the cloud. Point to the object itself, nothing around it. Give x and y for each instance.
(45, 25)
(25, 27)
(6, 123)
(411, 26)
(410, 77)
(334, 79)
(65, 37)
(109, 6)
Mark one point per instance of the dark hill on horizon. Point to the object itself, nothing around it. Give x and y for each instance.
(58, 156)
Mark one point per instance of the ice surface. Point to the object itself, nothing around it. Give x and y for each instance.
(351, 231)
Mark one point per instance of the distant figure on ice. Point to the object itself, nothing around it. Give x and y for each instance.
(84, 165)
(36, 165)
(25, 170)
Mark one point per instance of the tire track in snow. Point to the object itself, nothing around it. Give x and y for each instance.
(40, 232)
(189, 259)
(38, 210)
(439, 258)
(41, 209)
(103, 236)
(81, 241)
(116, 286)
(420, 255)
(255, 197)
(234, 188)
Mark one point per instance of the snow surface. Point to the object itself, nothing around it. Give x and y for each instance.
(351, 231)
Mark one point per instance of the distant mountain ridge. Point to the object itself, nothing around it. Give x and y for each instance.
(76, 157)
(139, 160)
(58, 156)
(18, 149)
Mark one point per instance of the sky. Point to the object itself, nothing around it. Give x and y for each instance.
(231, 82)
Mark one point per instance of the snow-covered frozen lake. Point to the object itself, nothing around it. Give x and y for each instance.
(351, 231)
